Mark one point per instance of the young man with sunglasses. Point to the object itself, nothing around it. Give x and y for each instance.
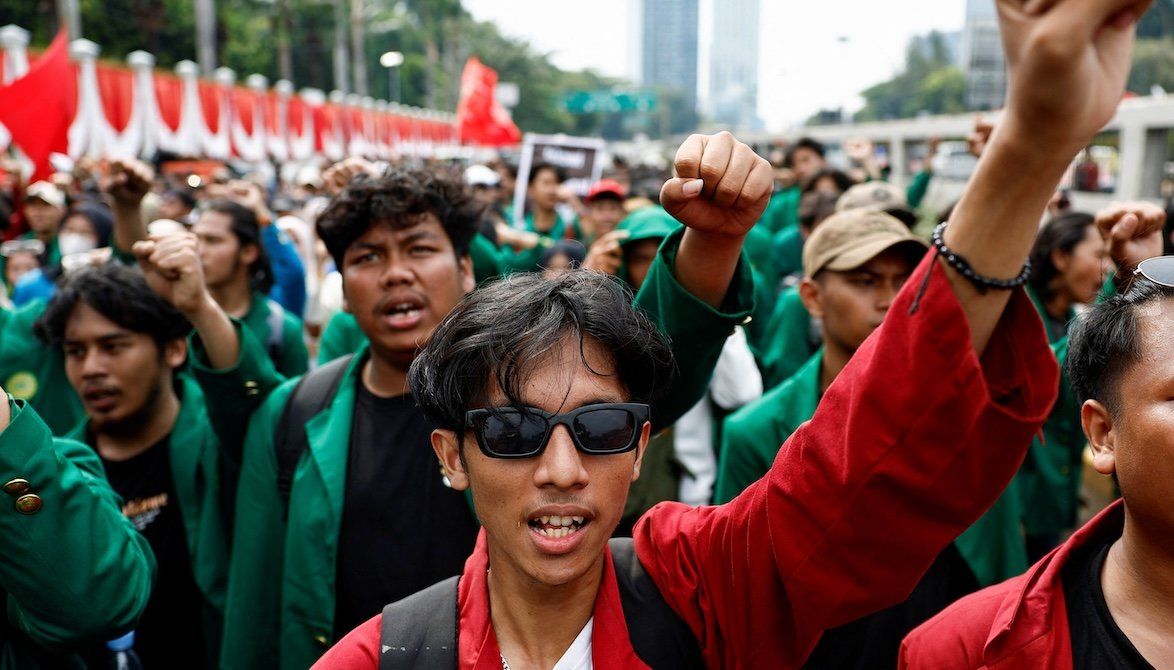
(915, 438)
(365, 516)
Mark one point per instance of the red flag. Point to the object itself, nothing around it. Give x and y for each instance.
(480, 117)
(38, 108)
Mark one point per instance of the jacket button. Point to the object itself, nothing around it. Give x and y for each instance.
(321, 640)
(251, 388)
(17, 487)
(30, 503)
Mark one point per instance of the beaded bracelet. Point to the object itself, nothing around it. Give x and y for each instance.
(983, 284)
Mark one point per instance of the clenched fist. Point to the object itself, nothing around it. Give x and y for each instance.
(127, 181)
(721, 187)
(171, 265)
(1133, 231)
(1067, 62)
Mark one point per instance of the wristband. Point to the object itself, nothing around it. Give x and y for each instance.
(962, 266)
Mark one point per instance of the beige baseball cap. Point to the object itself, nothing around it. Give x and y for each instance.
(876, 196)
(847, 240)
(45, 191)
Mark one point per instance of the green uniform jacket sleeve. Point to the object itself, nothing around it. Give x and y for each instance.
(76, 570)
(295, 358)
(788, 341)
(252, 611)
(696, 331)
(31, 371)
(342, 337)
(918, 187)
(235, 393)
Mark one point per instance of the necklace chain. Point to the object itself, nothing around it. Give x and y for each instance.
(505, 665)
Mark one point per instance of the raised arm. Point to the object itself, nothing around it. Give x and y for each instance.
(932, 417)
(126, 183)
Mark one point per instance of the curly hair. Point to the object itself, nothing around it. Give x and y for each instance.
(399, 199)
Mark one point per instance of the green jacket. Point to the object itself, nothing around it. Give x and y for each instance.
(74, 573)
(782, 211)
(281, 587)
(527, 260)
(993, 547)
(281, 334)
(789, 340)
(1049, 481)
(200, 489)
(31, 371)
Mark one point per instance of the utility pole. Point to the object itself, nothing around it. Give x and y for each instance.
(358, 50)
(341, 55)
(283, 21)
(206, 36)
(68, 12)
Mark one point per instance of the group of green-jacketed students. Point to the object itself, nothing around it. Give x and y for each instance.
(185, 480)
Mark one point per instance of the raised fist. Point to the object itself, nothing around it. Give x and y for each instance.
(340, 174)
(606, 253)
(127, 180)
(1133, 231)
(721, 187)
(1067, 63)
(171, 265)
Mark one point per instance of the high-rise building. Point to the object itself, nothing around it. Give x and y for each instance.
(982, 56)
(733, 66)
(669, 47)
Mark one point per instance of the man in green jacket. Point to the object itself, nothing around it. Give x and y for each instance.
(367, 516)
(239, 278)
(73, 573)
(33, 372)
(123, 347)
(855, 263)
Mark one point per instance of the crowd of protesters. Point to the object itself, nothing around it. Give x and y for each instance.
(368, 415)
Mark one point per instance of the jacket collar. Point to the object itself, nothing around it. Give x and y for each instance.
(1028, 613)
(328, 436)
(477, 646)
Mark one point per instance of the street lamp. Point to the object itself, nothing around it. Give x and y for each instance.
(392, 60)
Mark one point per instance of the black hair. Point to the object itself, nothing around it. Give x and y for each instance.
(1168, 231)
(1061, 234)
(183, 195)
(247, 231)
(1104, 343)
(119, 293)
(399, 198)
(803, 143)
(498, 334)
(842, 180)
(559, 174)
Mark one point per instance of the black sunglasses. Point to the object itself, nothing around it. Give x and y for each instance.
(599, 429)
(1159, 270)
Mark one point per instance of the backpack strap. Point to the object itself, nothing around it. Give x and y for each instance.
(420, 631)
(658, 634)
(312, 394)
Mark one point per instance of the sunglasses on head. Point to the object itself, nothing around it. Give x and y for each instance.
(599, 429)
(1159, 270)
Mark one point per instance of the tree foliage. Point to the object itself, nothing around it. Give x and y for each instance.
(929, 84)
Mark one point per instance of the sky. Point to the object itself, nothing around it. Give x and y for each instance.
(812, 55)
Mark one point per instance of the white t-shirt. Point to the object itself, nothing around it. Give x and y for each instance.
(578, 655)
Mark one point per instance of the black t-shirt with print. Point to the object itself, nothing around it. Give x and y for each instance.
(1097, 641)
(170, 632)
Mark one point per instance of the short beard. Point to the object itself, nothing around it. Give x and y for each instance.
(132, 424)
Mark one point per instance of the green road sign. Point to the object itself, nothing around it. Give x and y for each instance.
(590, 102)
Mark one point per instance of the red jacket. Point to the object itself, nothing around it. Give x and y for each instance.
(912, 443)
(1021, 623)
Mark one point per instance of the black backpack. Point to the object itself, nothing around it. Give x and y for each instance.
(312, 394)
(420, 631)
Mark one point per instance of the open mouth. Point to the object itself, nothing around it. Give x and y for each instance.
(558, 526)
(403, 313)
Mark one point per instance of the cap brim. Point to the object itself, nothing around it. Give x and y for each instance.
(850, 260)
